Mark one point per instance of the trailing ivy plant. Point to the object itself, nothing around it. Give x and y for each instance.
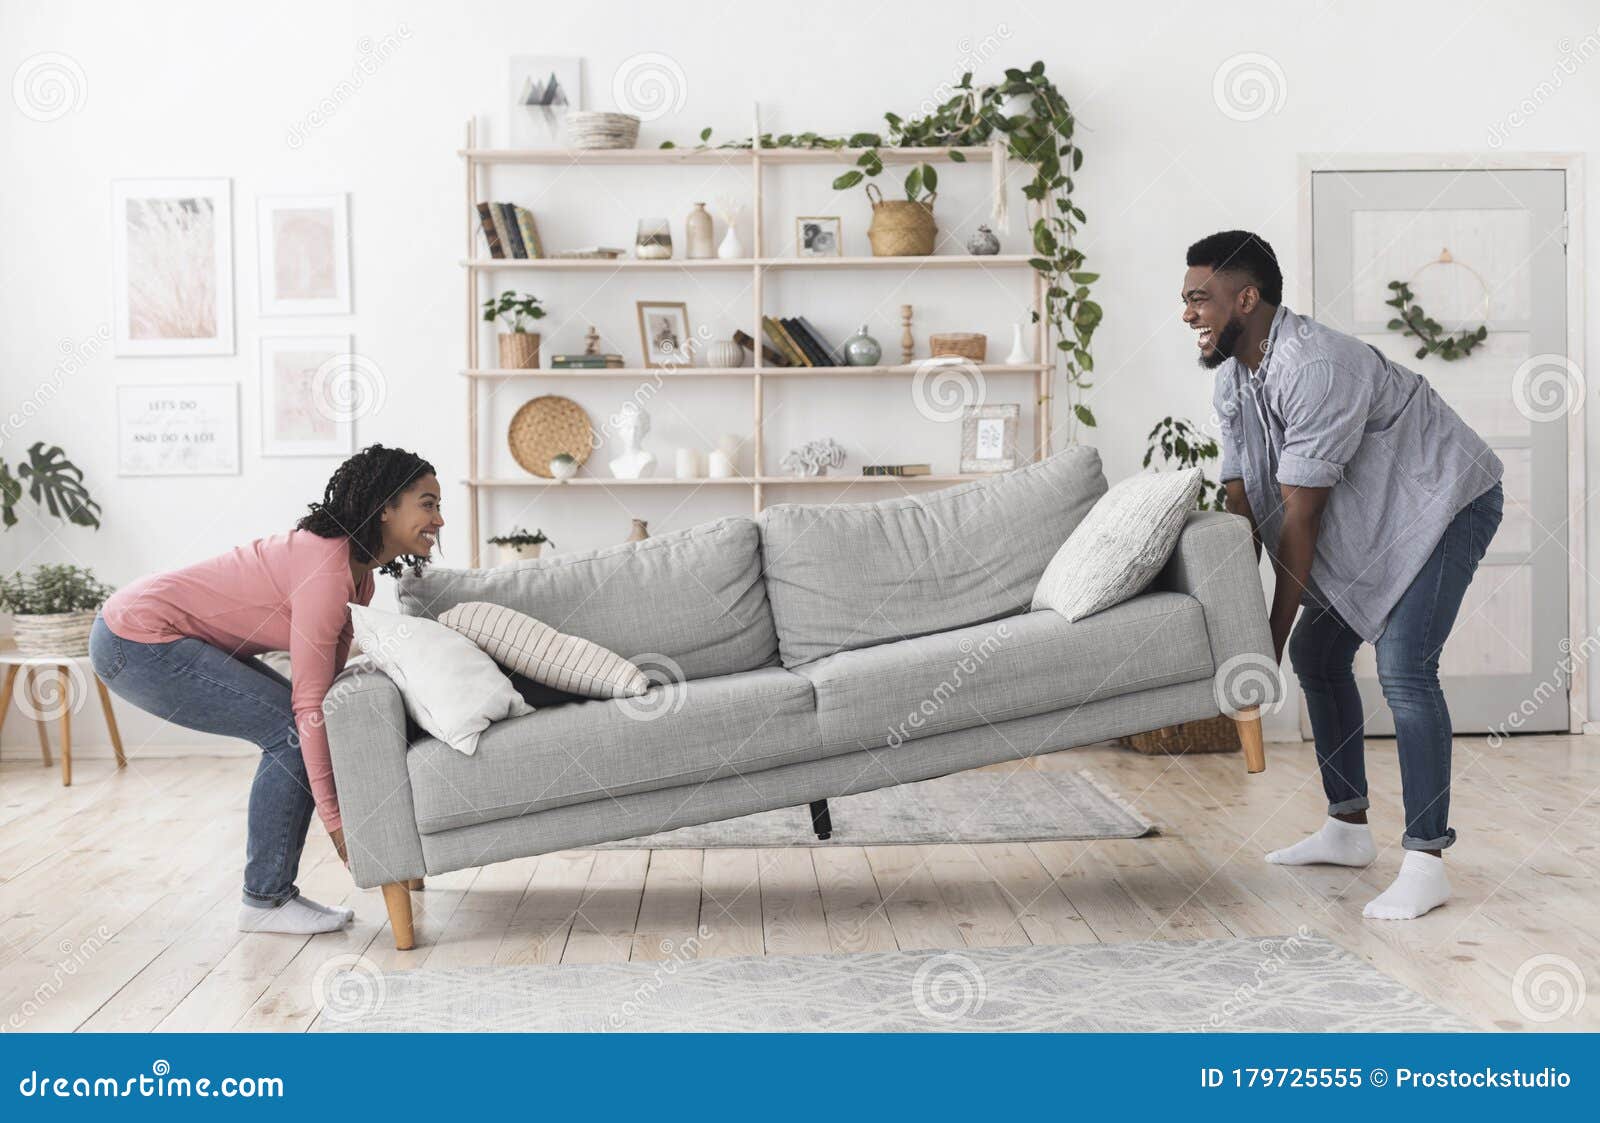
(1413, 321)
(1042, 137)
(1181, 445)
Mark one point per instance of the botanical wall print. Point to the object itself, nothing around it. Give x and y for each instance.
(543, 89)
(305, 395)
(303, 245)
(179, 429)
(989, 438)
(172, 266)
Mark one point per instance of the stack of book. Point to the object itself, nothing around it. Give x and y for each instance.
(897, 469)
(585, 362)
(800, 344)
(509, 230)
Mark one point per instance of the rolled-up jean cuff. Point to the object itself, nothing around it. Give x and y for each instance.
(1442, 842)
(257, 901)
(1344, 807)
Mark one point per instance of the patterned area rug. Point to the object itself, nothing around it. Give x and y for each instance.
(1021, 806)
(1276, 983)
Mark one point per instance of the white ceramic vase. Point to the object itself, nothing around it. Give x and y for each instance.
(1019, 349)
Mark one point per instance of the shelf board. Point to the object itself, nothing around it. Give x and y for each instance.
(669, 481)
(734, 372)
(604, 265)
(716, 156)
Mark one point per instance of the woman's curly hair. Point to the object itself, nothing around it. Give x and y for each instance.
(356, 496)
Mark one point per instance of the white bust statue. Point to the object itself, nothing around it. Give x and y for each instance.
(634, 463)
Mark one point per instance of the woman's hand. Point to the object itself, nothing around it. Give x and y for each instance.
(338, 844)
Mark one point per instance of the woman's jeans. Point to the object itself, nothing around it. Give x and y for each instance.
(190, 683)
(1323, 649)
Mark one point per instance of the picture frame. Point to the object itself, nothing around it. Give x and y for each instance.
(664, 333)
(305, 390)
(172, 266)
(303, 254)
(818, 236)
(989, 438)
(543, 89)
(178, 429)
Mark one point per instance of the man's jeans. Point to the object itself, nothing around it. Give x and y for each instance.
(190, 683)
(1323, 649)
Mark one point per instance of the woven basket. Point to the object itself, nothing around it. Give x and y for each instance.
(1208, 735)
(519, 350)
(547, 426)
(56, 633)
(594, 128)
(900, 227)
(967, 344)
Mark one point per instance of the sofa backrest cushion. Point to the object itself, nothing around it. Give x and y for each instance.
(844, 576)
(691, 601)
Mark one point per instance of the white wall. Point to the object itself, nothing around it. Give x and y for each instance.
(203, 89)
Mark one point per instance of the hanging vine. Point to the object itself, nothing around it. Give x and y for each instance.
(1039, 132)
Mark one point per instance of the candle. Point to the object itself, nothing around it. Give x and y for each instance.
(688, 464)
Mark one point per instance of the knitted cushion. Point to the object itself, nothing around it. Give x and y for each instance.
(545, 655)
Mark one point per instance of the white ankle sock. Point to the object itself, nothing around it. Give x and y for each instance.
(332, 910)
(1338, 843)
(294, 916)
(1420, 887)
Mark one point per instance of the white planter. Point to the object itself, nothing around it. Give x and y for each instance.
(509, 554)
(56, 633)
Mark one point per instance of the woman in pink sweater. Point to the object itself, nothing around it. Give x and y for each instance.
(181, 645)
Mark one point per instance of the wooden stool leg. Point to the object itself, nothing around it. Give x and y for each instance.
(415, 884)
(1255, 755)
(111, 722)
(397, 899)
(5, 692)
(66, 726)
(33, 703)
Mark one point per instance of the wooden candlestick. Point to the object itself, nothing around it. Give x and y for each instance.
(908, 345)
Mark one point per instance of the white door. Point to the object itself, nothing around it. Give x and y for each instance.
(1475, 248)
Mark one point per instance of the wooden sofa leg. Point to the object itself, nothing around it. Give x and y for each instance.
(1255, 755)
(397, 899)
(821, 821)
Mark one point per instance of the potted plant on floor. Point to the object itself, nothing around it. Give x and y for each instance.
(1180, 445)
(519, 544)
(53, 607)
(519, 347)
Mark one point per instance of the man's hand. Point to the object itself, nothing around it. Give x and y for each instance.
(338, 845)
(1297, 546)
(1236, 502)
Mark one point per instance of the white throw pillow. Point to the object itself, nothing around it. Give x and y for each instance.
(451, 689)
(516, 640)
(1121, 544)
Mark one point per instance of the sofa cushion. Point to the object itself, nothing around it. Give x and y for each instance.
(1022, 665)
(532, 648)
(851, 575)
(691, 601)
(679, 733)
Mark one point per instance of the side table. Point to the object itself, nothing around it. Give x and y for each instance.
(73, 673)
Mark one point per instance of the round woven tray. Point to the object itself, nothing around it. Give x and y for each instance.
(547, 426)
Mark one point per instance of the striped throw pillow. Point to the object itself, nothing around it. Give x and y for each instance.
(545, 655)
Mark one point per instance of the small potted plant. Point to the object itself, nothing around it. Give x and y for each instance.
(519, 347)
(519, 544)
(53, 607)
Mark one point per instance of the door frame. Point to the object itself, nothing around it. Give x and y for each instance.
(1571, 165)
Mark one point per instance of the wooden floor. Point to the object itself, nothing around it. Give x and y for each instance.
(118, 895)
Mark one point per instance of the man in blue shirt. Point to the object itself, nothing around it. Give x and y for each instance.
(1375, 502)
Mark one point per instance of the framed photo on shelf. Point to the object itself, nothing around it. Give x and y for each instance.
(664, 333)
(818, 236)
(303, 246)
(307, 395)
(172, 266)
(989, 438)
(179, 429)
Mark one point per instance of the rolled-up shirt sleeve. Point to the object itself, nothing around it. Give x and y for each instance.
(1324, 417)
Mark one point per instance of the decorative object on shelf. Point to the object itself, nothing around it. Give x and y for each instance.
(901, 227)
(631, 424)
(608, 361)
(861, 350)
(962, 344)
(544, 90)
(730, 211)
(519, 545)
(519, 348)
(1413, 321)
(819, 236)
(770, 356)
(908, 344)
(638, 531)
(725, 353)
(686, 464)
(897, 469)
(303, 251)
(509, 231)
(595, 128)
(653, 242)
(54, 483)
(800, 341)
(1020, 355)
(53, 608)
(563, 467)
(312, 389)
(179, 429)
(983, 243)
(172, 266)
(545, 426)
(989, 438)
(814, 458)
(697, 235)
(664, 333)
(1183, 446)
(724, 459)
(589, 253)
(591, 341)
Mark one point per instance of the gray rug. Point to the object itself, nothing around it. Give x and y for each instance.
(1277, 983)
(1021, 806)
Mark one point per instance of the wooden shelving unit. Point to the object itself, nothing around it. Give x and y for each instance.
(478, 161)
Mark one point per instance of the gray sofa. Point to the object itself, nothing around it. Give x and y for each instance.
(814, 651)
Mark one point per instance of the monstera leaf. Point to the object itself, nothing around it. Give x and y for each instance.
(57, 484)
(10, 492)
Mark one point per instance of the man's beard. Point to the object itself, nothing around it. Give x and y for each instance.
(1222, 350)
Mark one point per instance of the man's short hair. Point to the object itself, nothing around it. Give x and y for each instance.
(1239, 251)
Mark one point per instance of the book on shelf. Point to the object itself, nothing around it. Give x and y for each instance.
(802, 339)
(530, 232)
(823, 345)
(897, 469)
(770, 356)
(585, 362)
(509, 230)
(491, 230)
(781, 340)
(513, 233)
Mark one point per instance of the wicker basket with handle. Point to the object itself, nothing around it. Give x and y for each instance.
(965, 344)
(900, 227)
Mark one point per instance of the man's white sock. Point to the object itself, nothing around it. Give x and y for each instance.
(1420, 887)
(1338, 843)
(294, 916)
